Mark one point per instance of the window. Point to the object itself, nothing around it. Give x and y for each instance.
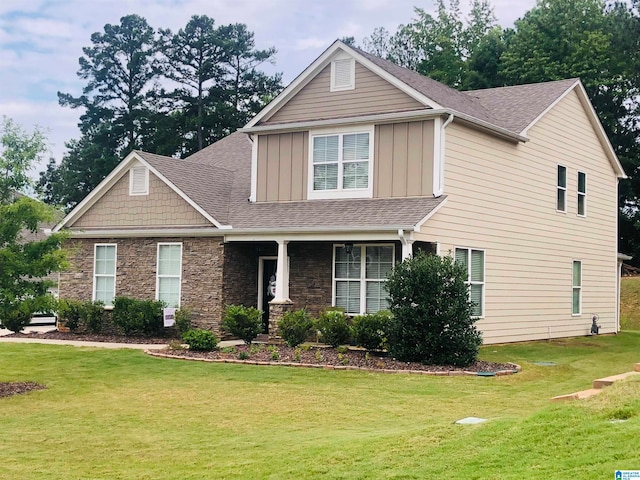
(473, 262)
(359, 277)
(104, 273)
(169, 273)
(561, 202)
(139, 180)
(343, 74)
(576, 307)
(582, 194)
(341, 165)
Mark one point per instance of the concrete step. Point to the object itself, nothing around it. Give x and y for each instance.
(577, 396)
(636, 367)
(607, 381)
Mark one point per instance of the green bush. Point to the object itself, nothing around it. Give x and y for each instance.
(71, 313)
(242, 322)
(432, 318)
(370, 331)
(183, 320)
(138, 317)
(200, 340)
(334, 327)
(15, 316)
(93, 316)
(294, 327)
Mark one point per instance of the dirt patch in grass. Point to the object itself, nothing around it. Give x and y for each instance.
(8, 389)
(326, 357)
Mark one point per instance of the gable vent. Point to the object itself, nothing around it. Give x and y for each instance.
(343, 74)
(138, 180)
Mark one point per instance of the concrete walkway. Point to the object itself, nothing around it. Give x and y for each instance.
(77, 343)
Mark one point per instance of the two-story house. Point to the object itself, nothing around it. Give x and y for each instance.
(356, 165)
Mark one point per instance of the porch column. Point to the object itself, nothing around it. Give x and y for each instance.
(282, 277)
(407, 249)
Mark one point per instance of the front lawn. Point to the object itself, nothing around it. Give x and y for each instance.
(123, 415)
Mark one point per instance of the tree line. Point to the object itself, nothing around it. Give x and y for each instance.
(155, 90)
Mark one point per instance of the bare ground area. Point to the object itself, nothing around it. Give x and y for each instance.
(8, 389)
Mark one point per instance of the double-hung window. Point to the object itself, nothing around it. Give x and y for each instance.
(576, 301)
(341, 164)
(169, 273)
(360, 272)
(561, 189)
(473, 262)
(104, 273)
(582, 194)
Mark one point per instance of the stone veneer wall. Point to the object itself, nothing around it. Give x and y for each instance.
(240, 285)
(202, 262)
(310, 275)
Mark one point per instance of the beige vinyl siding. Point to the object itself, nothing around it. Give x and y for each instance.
(502, 198)
(371, 95)
(161, 207)
(403, 159)
(282, 167)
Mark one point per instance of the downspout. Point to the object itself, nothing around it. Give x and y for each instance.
(439, 157)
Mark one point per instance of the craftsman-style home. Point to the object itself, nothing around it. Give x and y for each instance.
(356, 165)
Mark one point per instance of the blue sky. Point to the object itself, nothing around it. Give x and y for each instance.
(41, 41)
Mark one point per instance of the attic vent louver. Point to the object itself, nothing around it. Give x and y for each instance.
(343, 74)
(138, 180)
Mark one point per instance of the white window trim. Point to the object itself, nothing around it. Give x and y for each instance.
(583, 194)
(579, 288)
(95, 275)
(158, 276)
(352, 74)
(146, 180)
(362, 279)
(340, 192)
(468, 282)
(558, 188)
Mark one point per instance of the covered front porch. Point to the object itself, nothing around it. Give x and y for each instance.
(279, 273)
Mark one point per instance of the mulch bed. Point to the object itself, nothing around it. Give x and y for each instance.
(316, 356)
(8, 389)
(87, 337)
(331, 358)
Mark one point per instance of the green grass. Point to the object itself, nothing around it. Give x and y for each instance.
(122, 415)
(630, 303)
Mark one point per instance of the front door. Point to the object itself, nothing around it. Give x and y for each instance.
(266, 286)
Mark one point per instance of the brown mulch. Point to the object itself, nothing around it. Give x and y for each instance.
(329, 358)
(88, 337)
(8, 389)
(317, 356)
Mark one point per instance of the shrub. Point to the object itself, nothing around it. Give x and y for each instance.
(294, 327)
(334, 327)
(242, 322)
(93, 316)
(432, 318)
(138, 317)
(370, 331)
(183, 320)
(71, 313)
(200, 340)
(15, 316)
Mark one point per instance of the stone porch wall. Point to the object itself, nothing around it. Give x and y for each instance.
(310, 276)
(202, 268)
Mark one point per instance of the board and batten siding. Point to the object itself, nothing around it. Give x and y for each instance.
(161, 207)
(403, 163)
(372, 95)
(502, 199)
(282, 167)
(403, 159)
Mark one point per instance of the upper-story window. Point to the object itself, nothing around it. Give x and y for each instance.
(341, 164)
(561, 197)
(582, 194)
